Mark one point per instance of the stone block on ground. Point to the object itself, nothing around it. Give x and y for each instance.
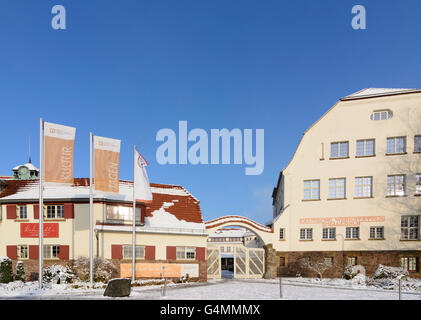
(118, 288)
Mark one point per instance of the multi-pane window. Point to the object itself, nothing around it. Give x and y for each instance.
(396, 145)
(329, 233)
(306, 234)
(311, 189)
(120, 213)
(417, 144)
(381, 115)
(365, 148)
(23, 252)
(186, 253)
(337, 188)
(352, 261)
(128, 249)
(23, 213)
(409, 263)
(410, 227)
(363, 187)
(376, 232)
(51, 251)
(352, 233)
(396, 185)
(418, 184)
(339, 149)
(282, 234)
(55, 211)
(328, 260)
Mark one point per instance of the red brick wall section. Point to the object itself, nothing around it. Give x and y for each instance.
(69, 211)
(36, 211)
(11, 211)
(201, 253)
(64, 253)
(150, 252)
(12, 252)
(116, 251)
(171, 253)
(33, 252)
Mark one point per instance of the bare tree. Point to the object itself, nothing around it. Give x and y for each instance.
(316, 262)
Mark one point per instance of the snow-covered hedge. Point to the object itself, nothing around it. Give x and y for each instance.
(20, 272)
(58, 274)
(6, 270)
(103, 269)
(386, 272)
(351, 271)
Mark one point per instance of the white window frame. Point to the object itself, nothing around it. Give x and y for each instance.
(340, 152)
(121, 214)
(418, 184)
(377, 232)
(361, 183)
(333, 185)
(281, 233)
(417, 143)
(352, 233)
(127, 251)
(407, 263)
(51, 251)
(23, 209)
(396, 188)
(364, 149)
(329, 233)
(410, 227)
(185, 253)
(54, 211)
(23, 252)
(352, 261)
(311, 189)
(392, 145)
(306, 234)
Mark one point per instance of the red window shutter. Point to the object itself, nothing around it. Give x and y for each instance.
(150, 252)
(11, 211)
(116, 251)
(171, 253)
(36, 211)
(12, 252)
(142, 214)
(69, 211)
(64, 253)
(200, 253)
(33, 252)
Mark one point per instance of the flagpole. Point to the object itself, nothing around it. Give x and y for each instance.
(91, 205)
(41, 202)
(134, 220)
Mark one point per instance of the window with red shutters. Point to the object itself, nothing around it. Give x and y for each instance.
(150, 253)
(171, 253)
(11, 211)
(12, 252)
(116, 251)
(33, 252)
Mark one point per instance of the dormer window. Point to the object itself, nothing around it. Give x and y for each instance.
(381, 115)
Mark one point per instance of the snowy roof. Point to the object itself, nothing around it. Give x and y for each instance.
(29, 165)
(171, 204)
(228, 232)
(378, 92)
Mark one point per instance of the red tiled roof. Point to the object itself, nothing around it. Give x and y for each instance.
(186, 207)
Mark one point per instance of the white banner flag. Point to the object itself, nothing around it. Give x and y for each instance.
(142, 187)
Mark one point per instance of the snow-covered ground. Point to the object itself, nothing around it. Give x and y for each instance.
(220, 289)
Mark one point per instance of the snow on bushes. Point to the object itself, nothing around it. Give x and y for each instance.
(6, 271)
(20, 272)
(103, 269)
(58, 274)
(387, 272)
(351, 271)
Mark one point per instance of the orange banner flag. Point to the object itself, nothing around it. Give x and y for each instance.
(58, 152)
(106, 163)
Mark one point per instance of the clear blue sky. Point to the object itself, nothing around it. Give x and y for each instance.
(125, 69)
